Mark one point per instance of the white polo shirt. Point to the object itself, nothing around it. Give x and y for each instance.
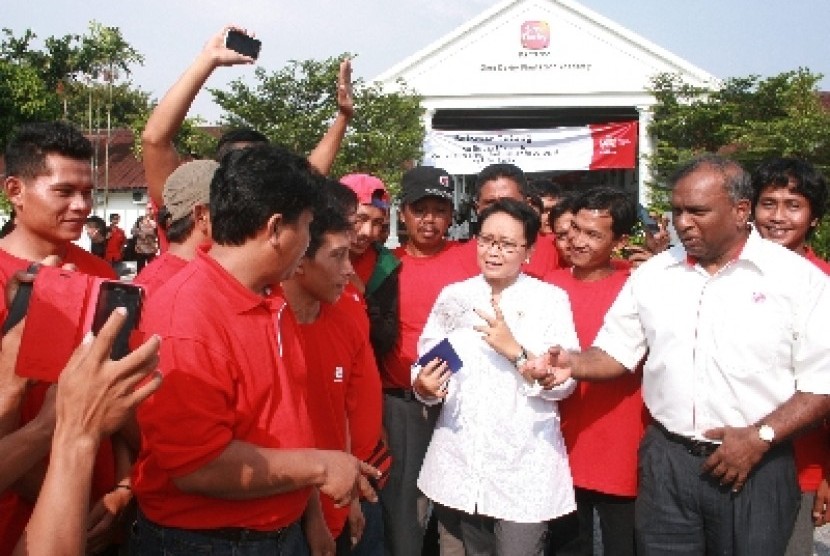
(723, 349)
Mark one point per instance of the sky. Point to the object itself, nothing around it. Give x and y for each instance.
(724, 37)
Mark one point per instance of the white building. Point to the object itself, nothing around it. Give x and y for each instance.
(523, 81)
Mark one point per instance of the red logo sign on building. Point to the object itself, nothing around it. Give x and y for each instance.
(535, 35)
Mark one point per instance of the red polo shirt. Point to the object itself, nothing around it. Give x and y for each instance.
(600, 418)
(14, 511)
(344, 390)
(159, 271)
(233, 370)
(420, 280)
(115, 243)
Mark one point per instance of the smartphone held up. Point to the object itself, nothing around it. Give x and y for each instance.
(62, 307)
(242, 43)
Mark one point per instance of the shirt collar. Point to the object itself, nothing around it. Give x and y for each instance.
(238, 298)
(751, 252)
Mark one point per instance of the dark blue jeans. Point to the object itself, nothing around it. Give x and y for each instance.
(371, 544)
(150, 539)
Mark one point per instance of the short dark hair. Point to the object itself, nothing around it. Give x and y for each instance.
(332, 216)
(565, 204)
(496, 171)
(251, 185)
(229, 139)
(341, 195)
(618, 203)
(804, 177)
(535, 201)
(517, 210)
(736, 180)
(547, 188)
(27, 150)
(97, 222)
(177, 231)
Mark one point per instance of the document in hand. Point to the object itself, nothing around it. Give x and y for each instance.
(444, 351)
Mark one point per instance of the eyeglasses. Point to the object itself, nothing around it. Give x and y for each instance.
(504, 245)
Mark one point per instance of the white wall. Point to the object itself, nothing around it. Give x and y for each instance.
(122, 203)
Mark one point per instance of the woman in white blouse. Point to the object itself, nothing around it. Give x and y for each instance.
(496, 467)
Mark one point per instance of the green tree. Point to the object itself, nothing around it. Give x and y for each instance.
(747, 118)
(77, 77)
(293, 106)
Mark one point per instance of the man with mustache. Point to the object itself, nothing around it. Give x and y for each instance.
(735, 331)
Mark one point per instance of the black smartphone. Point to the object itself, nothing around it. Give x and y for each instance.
(110, 296)
(20, 303)
(242, 43)
(649, 223)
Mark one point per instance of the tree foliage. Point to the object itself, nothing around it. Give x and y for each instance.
(80, 78)
(294, 107)
(748, 119)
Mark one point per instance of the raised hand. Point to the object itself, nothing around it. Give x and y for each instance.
(345, 91)
(220, 54)
(496, 332)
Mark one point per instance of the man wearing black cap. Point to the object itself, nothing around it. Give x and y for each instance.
(428, 263)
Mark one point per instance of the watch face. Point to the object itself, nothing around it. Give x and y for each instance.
(766, 433)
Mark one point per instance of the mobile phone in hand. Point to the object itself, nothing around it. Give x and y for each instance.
(242, 43)
(110, 296)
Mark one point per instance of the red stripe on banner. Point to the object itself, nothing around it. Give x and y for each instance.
(615, 145)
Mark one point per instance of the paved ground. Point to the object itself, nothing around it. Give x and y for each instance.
(823, 541)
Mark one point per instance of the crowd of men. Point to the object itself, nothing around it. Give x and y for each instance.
(268, 406)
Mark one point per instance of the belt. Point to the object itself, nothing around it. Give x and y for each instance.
(402, 393)
(698, 448)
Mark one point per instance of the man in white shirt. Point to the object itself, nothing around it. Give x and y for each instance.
(736, 333)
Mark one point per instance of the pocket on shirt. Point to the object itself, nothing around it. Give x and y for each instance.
(753, 336)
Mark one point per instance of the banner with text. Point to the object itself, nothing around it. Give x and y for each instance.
(591, 147)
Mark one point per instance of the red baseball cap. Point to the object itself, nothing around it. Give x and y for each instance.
(369, 189)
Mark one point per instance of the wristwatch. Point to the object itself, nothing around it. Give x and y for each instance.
(766, 433)
(521, 359)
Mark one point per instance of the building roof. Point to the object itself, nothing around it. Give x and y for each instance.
(539, 53)
(125, 170)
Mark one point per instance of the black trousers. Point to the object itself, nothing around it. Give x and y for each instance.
(680, 510)
(573, 535)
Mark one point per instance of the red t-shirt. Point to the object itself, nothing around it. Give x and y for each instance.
(354, 304)
(545, 257)
(14, 510)
(115, 243)
(602, 422)
(344, 390)
(159, 271)
(420, 280)
(233, 370)
(812, 450)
